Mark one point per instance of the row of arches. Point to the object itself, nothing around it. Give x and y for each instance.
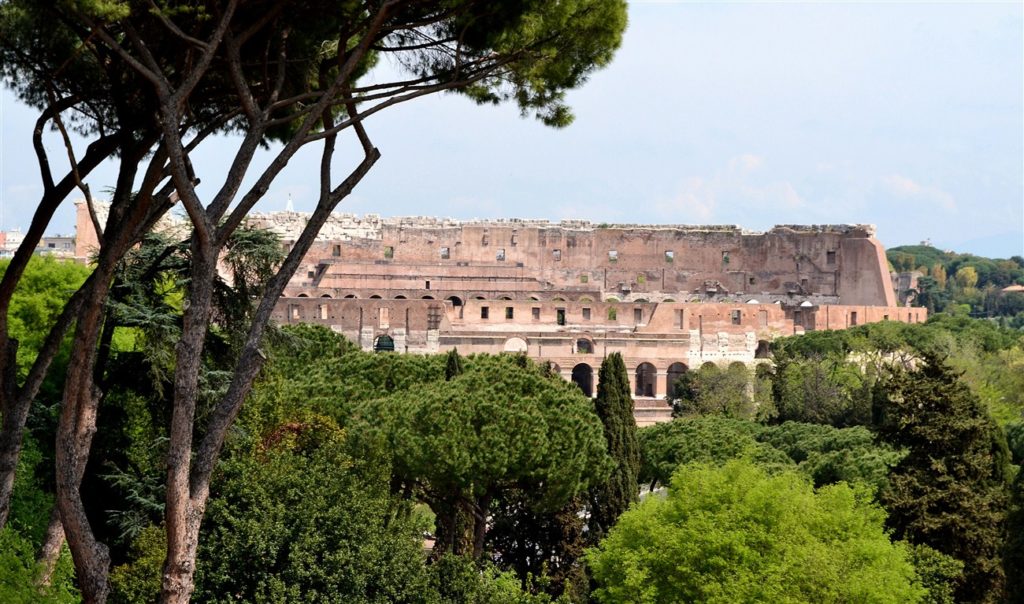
(456, 300)
(644, 382)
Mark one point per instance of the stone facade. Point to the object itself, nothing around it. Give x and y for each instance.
(668, 297)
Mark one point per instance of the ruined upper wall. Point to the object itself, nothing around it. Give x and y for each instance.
(842, 262)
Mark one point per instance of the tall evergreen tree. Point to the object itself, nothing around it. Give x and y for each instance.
(949, 492)
(615, 408)
(452, 365)
(1013, 556)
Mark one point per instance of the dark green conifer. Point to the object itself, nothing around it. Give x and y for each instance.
(614, 406)
(949, 492)
(452, 365)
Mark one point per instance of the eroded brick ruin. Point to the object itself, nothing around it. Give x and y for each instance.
(668, 297)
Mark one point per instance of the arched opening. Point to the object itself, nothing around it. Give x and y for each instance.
(675, 371)
(375, 297)
(558, 299)
(479, 298)
(455, 300)
(535, 298)
(504, 298)
(515, 345)
(351, 297)
(325, 295)
(763, 350)
(302, 296)
(586, 299)
(427, 298)
(645, 376)
(384, 343)
(583, 376)
(584, 346)
(641, 301)
(400, 297)
(555, 369)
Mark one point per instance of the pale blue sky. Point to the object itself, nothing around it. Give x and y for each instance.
(906, 115)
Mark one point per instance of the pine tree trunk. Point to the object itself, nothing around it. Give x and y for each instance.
(49, 553)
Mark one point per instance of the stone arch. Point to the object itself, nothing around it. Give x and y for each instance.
(763, 351)
(384, 343)
(558, 299)
(455, 300)
(611, 299)
(585, 346)
(375, 297)
(535, 298)
(555, 368)
(586, 299)
(675, 371)
(738, 365)
(325, 295)
(504, 298)
(583, 376)
(640, 301)
(302, 295)
(646, 376)
(351, 297)
(515, 345)
(479, 298)
(427, 298)
(400, 297)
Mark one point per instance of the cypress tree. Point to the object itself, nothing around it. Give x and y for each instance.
(949, 492)
(614, 406)
(452, 365)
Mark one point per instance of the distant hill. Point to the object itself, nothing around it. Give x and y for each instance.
(996, 272)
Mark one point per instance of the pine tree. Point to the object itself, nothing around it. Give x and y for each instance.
(949, 492)
(614, 406)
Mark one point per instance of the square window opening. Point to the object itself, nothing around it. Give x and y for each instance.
(613, 256)
(557, 254)
(586, 314)
(336, 251)
(560, 316)
(389, 252)
(509, 312)
(500, 255)
(670, 256)
(536, 313)
(830, 257)
(638, 315)
(485, 312)
(737, 317)
(446, 253)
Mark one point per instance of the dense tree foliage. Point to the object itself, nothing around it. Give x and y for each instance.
(735, 533)
(733, 392)
(825, 454)
(951, 280)
(949, 491)
(502, 423)
(614, 404)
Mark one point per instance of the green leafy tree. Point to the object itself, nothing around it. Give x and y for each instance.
(666, 446)
(711, 390)
(299, 519)
(735, 533)
(829, 455)
(949, 492)
(614, 406)
(502, 423)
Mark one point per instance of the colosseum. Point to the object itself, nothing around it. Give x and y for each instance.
(668, 297)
